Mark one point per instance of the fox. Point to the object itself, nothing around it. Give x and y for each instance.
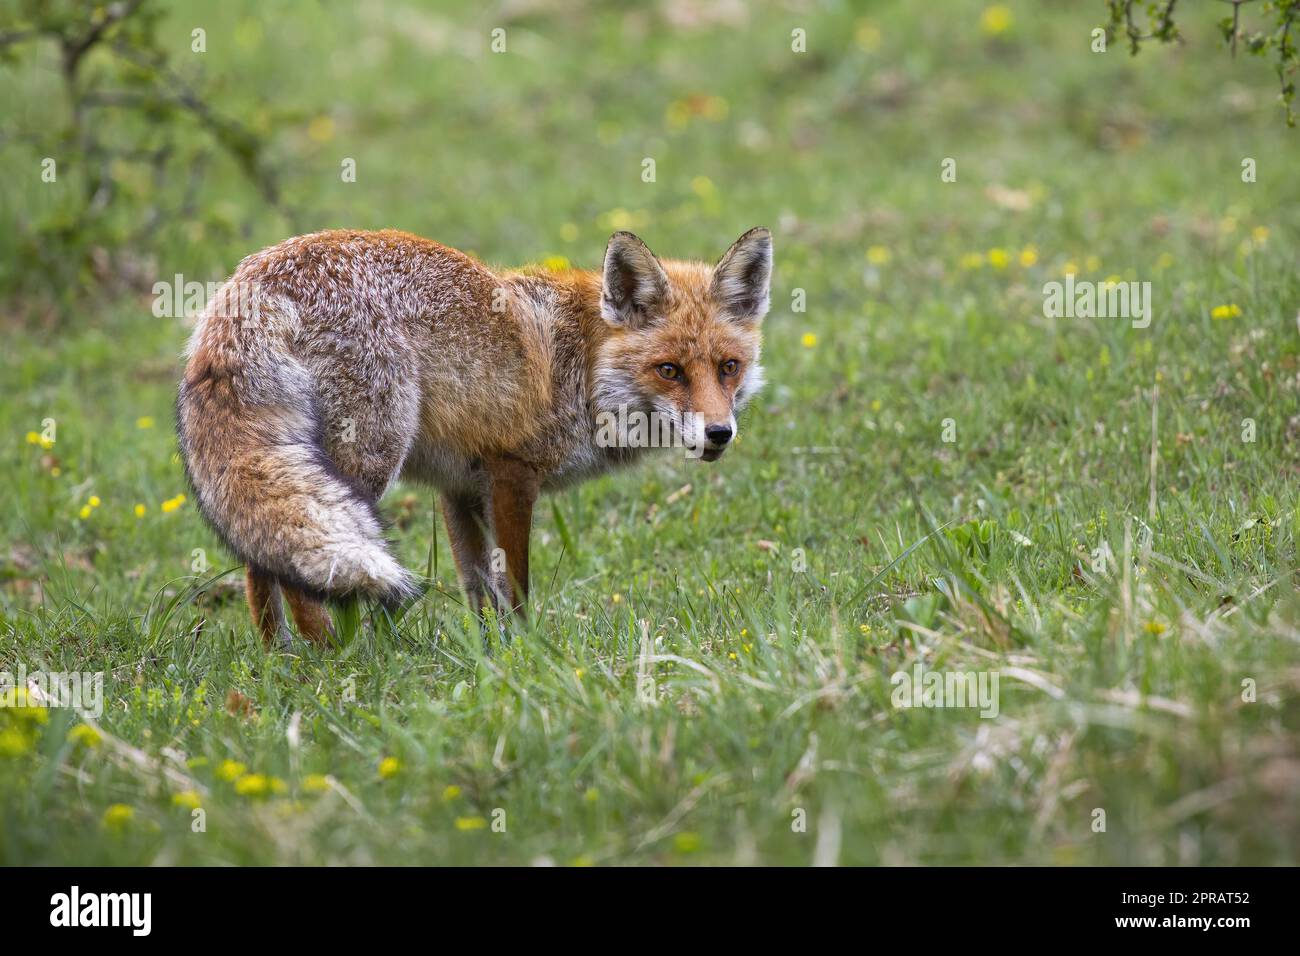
(333, 364)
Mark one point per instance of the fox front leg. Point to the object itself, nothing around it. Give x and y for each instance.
(513, 489)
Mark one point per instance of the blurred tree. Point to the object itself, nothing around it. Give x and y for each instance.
(132, 134)
(1277, 37)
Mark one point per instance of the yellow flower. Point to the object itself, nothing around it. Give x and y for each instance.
(1154, 627)
(1070, 268)
(555, 264)
(867, 35)
(85, 735)
(230, 770)
(316, 783)
(140, 511)
(809, 340)
(15, 741)
(971, 260)
(877, 404)
(1230, 311)
(1092, 263)
(731, 655)
(703, 187)
(1164, 261)
(144, 421)
(118, 816)
(94, 501)
(995, 20)
(616, 598)
(189, 799)
(171, 504)
(578, 673)
(33, 438)
(864, 628)
(1259, 234)
(1028, 256)
(592, 795)
(258, 785)
(687, 842)
(470, 823)
(321, 129)
(999, 258)
(879, 255)
(450, 792)
(84, 513)
(389, 767)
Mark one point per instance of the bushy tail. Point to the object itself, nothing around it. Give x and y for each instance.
(251, 439)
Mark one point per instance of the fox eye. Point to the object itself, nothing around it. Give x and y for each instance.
(730, 366)
(668, 370)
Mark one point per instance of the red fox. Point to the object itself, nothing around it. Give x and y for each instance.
(333, 363)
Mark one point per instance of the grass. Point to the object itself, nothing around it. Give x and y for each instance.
(707, 675)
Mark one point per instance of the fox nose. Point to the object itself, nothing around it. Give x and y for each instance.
(718, 434)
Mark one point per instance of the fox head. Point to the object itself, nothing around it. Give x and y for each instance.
(684, 337)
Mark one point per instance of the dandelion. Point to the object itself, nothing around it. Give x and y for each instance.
(731, 656)
(867, 36)
(1154, 627)
(140, 510)
(592, 795)
(1028, 256)
(578, 673)
(865, 629)
(1260, 235)
(33, 438)
(471, 823)
(189, 799)
(389, 767)
(321, 129)
(809, 340)
(230, 770)
(15, 741)
(1070, 268)
(258, 785)
(556, 264)
(171, 504)
(117, 817)
(995, 20)
(879, 255)
(687, 842)
(877, 404)
(84, 513)
(1230, 311)
(94, 501)
(144, 422)
(316, 783)
(86, 736)
(999, 258)
(616, 598)
(450, 792)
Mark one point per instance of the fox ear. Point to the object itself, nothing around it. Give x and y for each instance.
(634, 287)
(742, 279)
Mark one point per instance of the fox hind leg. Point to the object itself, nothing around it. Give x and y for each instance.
(310, 616)
(264, 604)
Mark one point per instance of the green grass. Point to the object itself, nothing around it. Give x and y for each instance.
(1121, 690)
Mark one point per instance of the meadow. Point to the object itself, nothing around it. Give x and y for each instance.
(939, 473)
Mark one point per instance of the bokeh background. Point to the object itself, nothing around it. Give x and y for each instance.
(900, 301)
